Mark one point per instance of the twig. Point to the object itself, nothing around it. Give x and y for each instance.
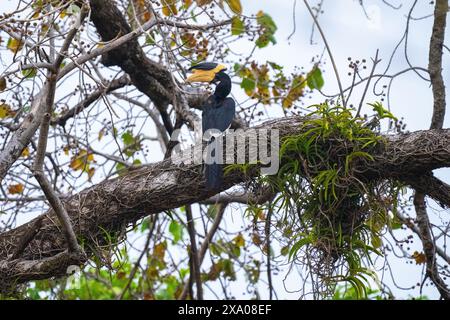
(195, 261)
(392, 6)
(79, 107)
(269, 267)
(437, 83)
(428, 245)
(138, 261)
(329, 52)
(38, 164)
(210, 235)
(416, 230)
(293, 21)
(115, 43)
(205, 245)
(38, 173)
(375, 62)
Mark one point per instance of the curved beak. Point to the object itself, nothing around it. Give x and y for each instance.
(201, 75)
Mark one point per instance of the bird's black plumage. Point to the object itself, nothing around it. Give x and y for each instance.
(218, 113)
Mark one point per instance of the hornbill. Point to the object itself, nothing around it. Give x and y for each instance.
(218, 111)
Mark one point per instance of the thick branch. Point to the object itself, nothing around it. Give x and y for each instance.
(19, 271)
(113, 204)
(435, 63)
(432, 186)
(147, 76)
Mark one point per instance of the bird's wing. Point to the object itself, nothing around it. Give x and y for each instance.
(226, 114)
(219, 118)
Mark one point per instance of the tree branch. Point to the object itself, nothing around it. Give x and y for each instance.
(22, 136)
(113, 204)
(435, 63)
(432, 186)
(428, 245)
(195, 261)
(82, 105)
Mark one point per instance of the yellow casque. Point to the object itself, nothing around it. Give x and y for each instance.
(204, 75)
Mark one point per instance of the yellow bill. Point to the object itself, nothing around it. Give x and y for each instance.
(199, 75)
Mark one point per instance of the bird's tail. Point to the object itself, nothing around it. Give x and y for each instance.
(213, 172)
(214, 176)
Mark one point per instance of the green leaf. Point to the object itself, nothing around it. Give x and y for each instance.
(248, 85)
(236, 251)
(239, 240)
(381, 111)
(298, 245)
(176, 230)
(215, 249)
(315, 79)
(14, 45)
(266, 21)
(376, 242)
(145, 225)
(127, 138)
(237, 26)
(268, 29)
(150, 38)
(29, 73)
(120, 166)
(285, 251)
(275, 66)
(212, 211)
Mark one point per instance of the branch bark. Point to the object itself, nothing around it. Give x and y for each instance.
(428, 242)
(435, 63)
(194, 258)
(113, 204)
(437, 121)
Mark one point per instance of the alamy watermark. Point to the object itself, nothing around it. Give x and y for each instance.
(252, 146)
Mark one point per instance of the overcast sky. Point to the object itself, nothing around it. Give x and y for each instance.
(351, 34)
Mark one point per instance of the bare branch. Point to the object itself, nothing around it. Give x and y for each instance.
(435, 63)
(336, 72)
(94, 96)
(429, 245)
(195, 261)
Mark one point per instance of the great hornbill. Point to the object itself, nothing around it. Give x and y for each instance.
(218, 111)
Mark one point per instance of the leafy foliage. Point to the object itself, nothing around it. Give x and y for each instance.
(269, 84)
(267, 30)
(338, 216)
